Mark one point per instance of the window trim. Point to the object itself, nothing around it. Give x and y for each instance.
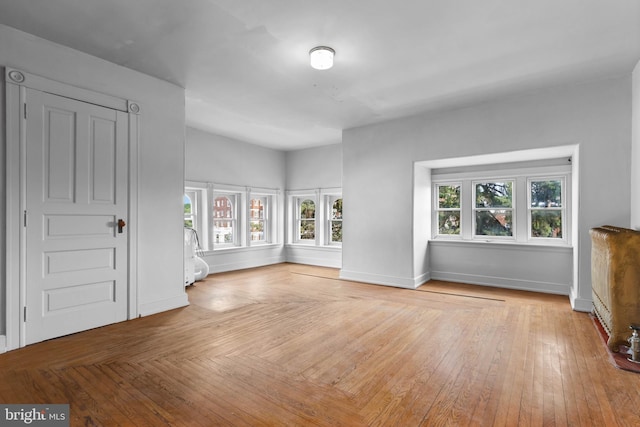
(298, 220)
(235, 200)
(201, 223)
(330, 199)
(270, 216)
(475, 210)
(437, 209)
(192, 194)
(320, 196)
(564, 209)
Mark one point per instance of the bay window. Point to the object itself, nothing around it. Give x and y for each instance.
(519, 205)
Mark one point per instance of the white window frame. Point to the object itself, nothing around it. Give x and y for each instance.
(437, 209)
(563, 209)
(475, 209)
(298, 219)
(520, 203)
(323, 199)
(193, 216)
(200, 222)
(237, 202)
(270, 212)
(329, 200)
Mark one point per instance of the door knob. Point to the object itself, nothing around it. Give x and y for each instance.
(121, 225)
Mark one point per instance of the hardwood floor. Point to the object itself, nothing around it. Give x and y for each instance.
(289, 345)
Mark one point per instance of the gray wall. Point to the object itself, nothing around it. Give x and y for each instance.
(161, 157)
(378, 166)
(214, 158)
(319, 167)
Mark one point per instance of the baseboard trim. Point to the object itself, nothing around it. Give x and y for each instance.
(580, 304)
(378, 279)
(167, 304)
(318, 262)
(503, 282)
(421, 279)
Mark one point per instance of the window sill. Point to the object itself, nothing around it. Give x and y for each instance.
(330, 248)
(562, 247)
(231, 249)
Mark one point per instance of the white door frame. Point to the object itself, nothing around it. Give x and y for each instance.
(16, 83)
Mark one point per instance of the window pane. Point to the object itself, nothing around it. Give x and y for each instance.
(494, 194)
(307, 229)
(222, 207)
(546, 223)
(449, 222)
(223, 231)
(257, 230)
(546, 194)
(448, 196)
(494, 223)
(336, 211)
(188, 223)
(307, 209)
(257, 208)
(187, 205)
(336, 231)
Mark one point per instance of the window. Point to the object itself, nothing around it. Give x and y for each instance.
(546, 208)
(258, 216)
(335, 220)
(189, 200)
(503, 203)
(493, 208)
(448, 208)
(306, 214)
(315, 217)
(225, 219)
(234, 216)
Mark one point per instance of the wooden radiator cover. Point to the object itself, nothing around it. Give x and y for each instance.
(615, 280)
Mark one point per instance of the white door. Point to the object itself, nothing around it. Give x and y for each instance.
(76, 194)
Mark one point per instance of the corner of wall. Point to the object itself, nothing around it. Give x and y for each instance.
(635, 149)
(580, 304)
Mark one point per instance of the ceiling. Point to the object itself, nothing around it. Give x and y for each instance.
(244, 63)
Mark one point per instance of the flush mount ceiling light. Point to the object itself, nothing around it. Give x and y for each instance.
(321, 57)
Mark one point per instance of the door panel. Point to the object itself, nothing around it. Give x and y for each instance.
(76, 190)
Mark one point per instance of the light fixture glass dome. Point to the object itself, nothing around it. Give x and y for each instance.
(321, 57)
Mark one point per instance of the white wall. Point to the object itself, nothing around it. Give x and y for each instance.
(211, 158)
(635, 152)
(314, 169)
(378, 166)
(319, 167)
(161, 157)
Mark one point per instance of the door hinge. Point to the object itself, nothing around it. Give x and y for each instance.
(25, 218)
(25, 110)
(25, 313)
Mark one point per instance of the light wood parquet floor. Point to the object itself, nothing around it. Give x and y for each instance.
(292, 345)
